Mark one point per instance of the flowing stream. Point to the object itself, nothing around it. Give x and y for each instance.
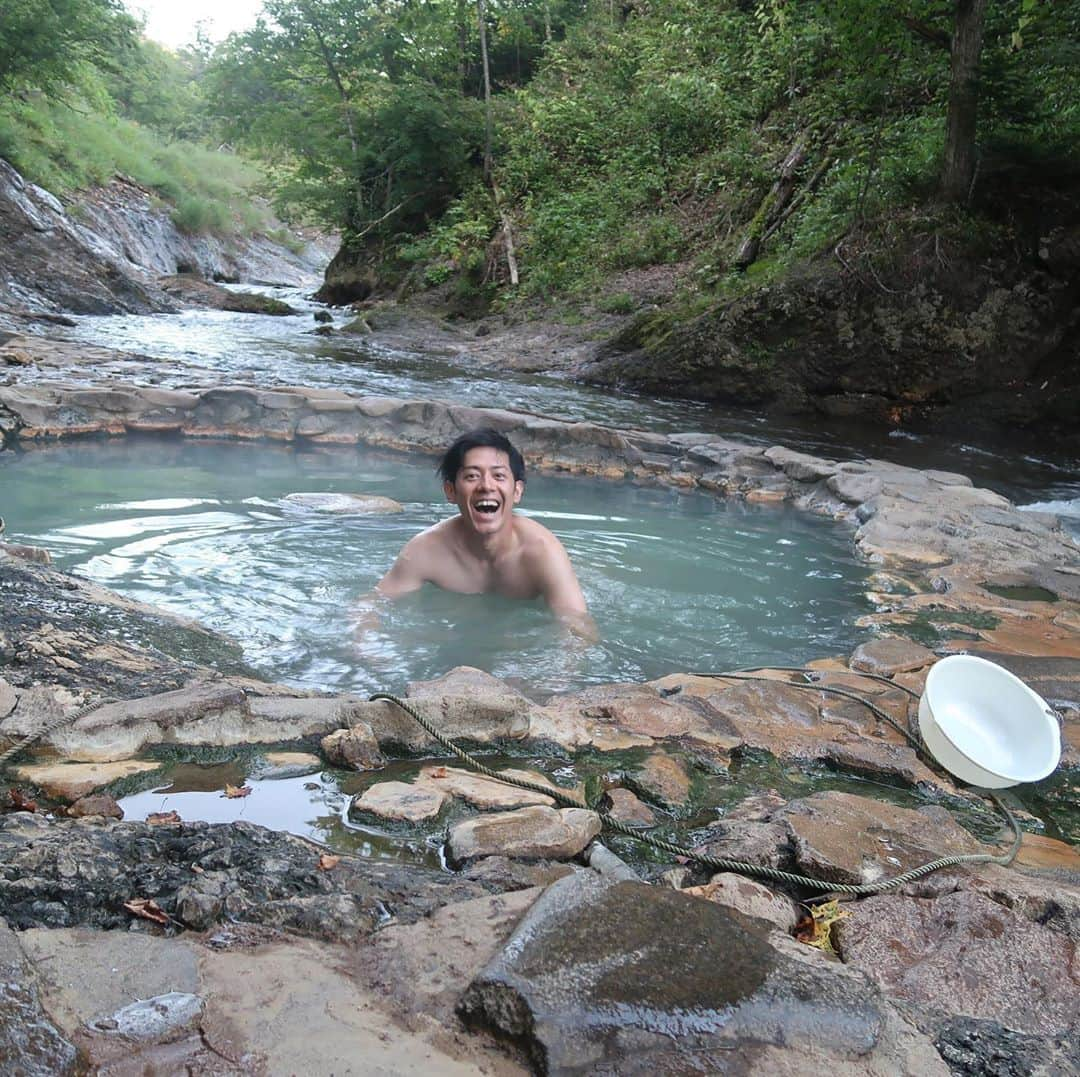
(201, 347)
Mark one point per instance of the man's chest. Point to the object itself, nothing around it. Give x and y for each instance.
(508, 577)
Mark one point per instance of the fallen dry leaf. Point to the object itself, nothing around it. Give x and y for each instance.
(816, 929)
(19, 801)
(327, 862)
(437, 772)
(161, 818)
(148, 909)
(234, 791)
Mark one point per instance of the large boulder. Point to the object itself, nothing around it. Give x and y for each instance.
(964, 955)
(620, 977)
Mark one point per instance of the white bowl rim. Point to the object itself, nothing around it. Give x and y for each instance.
(1043, 706)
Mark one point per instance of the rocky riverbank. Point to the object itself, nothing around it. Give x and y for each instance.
(261, 952)
(117, 250)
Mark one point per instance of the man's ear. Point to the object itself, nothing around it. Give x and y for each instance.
(519, 489)
(451, 493)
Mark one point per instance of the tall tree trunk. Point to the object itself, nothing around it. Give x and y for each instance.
(463, 45)
(487, 88)
(958, 171)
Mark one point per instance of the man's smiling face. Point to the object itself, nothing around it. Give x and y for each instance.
(485, 490)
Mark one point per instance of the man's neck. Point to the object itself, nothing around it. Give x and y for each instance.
(489, 548)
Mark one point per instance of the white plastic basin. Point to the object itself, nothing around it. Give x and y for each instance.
(985, 725)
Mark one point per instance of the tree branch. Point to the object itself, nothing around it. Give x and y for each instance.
(929, 33)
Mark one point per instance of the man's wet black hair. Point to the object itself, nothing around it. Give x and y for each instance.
(483, 438)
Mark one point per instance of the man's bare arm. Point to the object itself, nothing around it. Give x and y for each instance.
(407, 573)
(562, 592)
(405, 576)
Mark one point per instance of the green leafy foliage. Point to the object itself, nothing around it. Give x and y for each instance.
(50, 44)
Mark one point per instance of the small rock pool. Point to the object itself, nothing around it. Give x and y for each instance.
(676, 581)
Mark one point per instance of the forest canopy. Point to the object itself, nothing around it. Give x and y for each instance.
(576, 138)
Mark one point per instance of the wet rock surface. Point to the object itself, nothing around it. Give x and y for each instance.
(534, 833)
(974, 1048)
(663, 780)
(72, 781)
(401, 802)
(107, 646)
(750, 898)
(625, 978)
(245, 1001)
(28, 1038)
(963, 955)
(64, 874)
(852, 839)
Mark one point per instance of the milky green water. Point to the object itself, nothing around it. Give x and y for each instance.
(675, 581)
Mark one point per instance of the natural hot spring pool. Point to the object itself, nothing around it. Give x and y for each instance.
(676, 581)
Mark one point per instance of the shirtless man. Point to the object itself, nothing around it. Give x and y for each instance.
(486, 547)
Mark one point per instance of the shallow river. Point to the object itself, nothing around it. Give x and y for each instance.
(201, 347)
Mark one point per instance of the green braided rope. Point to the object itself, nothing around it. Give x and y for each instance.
(52, 727)
(719, 863)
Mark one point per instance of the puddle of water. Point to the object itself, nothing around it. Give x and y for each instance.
(1022, 594)
(316, 805)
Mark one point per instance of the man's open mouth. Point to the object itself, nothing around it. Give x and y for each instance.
(488, 506)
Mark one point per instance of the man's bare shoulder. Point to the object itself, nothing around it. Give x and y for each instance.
(538, 544)
(533, 532)
(437, 538)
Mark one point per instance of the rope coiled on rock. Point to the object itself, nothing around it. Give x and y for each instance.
(52, 727)
(741, 867)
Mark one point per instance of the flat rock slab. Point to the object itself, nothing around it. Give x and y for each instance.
(609, 717)
(71, 781)
(286, 765)
(369, 504)
(533, 833)
(851, 839)
(664, 780)
(963, 954)
(891, 655)
(625, 806)
(482, 712)
(87, 976)
(216, 714)
(401, 802)
(799, 724)
(480, 791)
(623, 978)
(271, 1004)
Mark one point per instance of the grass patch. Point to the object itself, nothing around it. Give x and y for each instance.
(70, 147)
